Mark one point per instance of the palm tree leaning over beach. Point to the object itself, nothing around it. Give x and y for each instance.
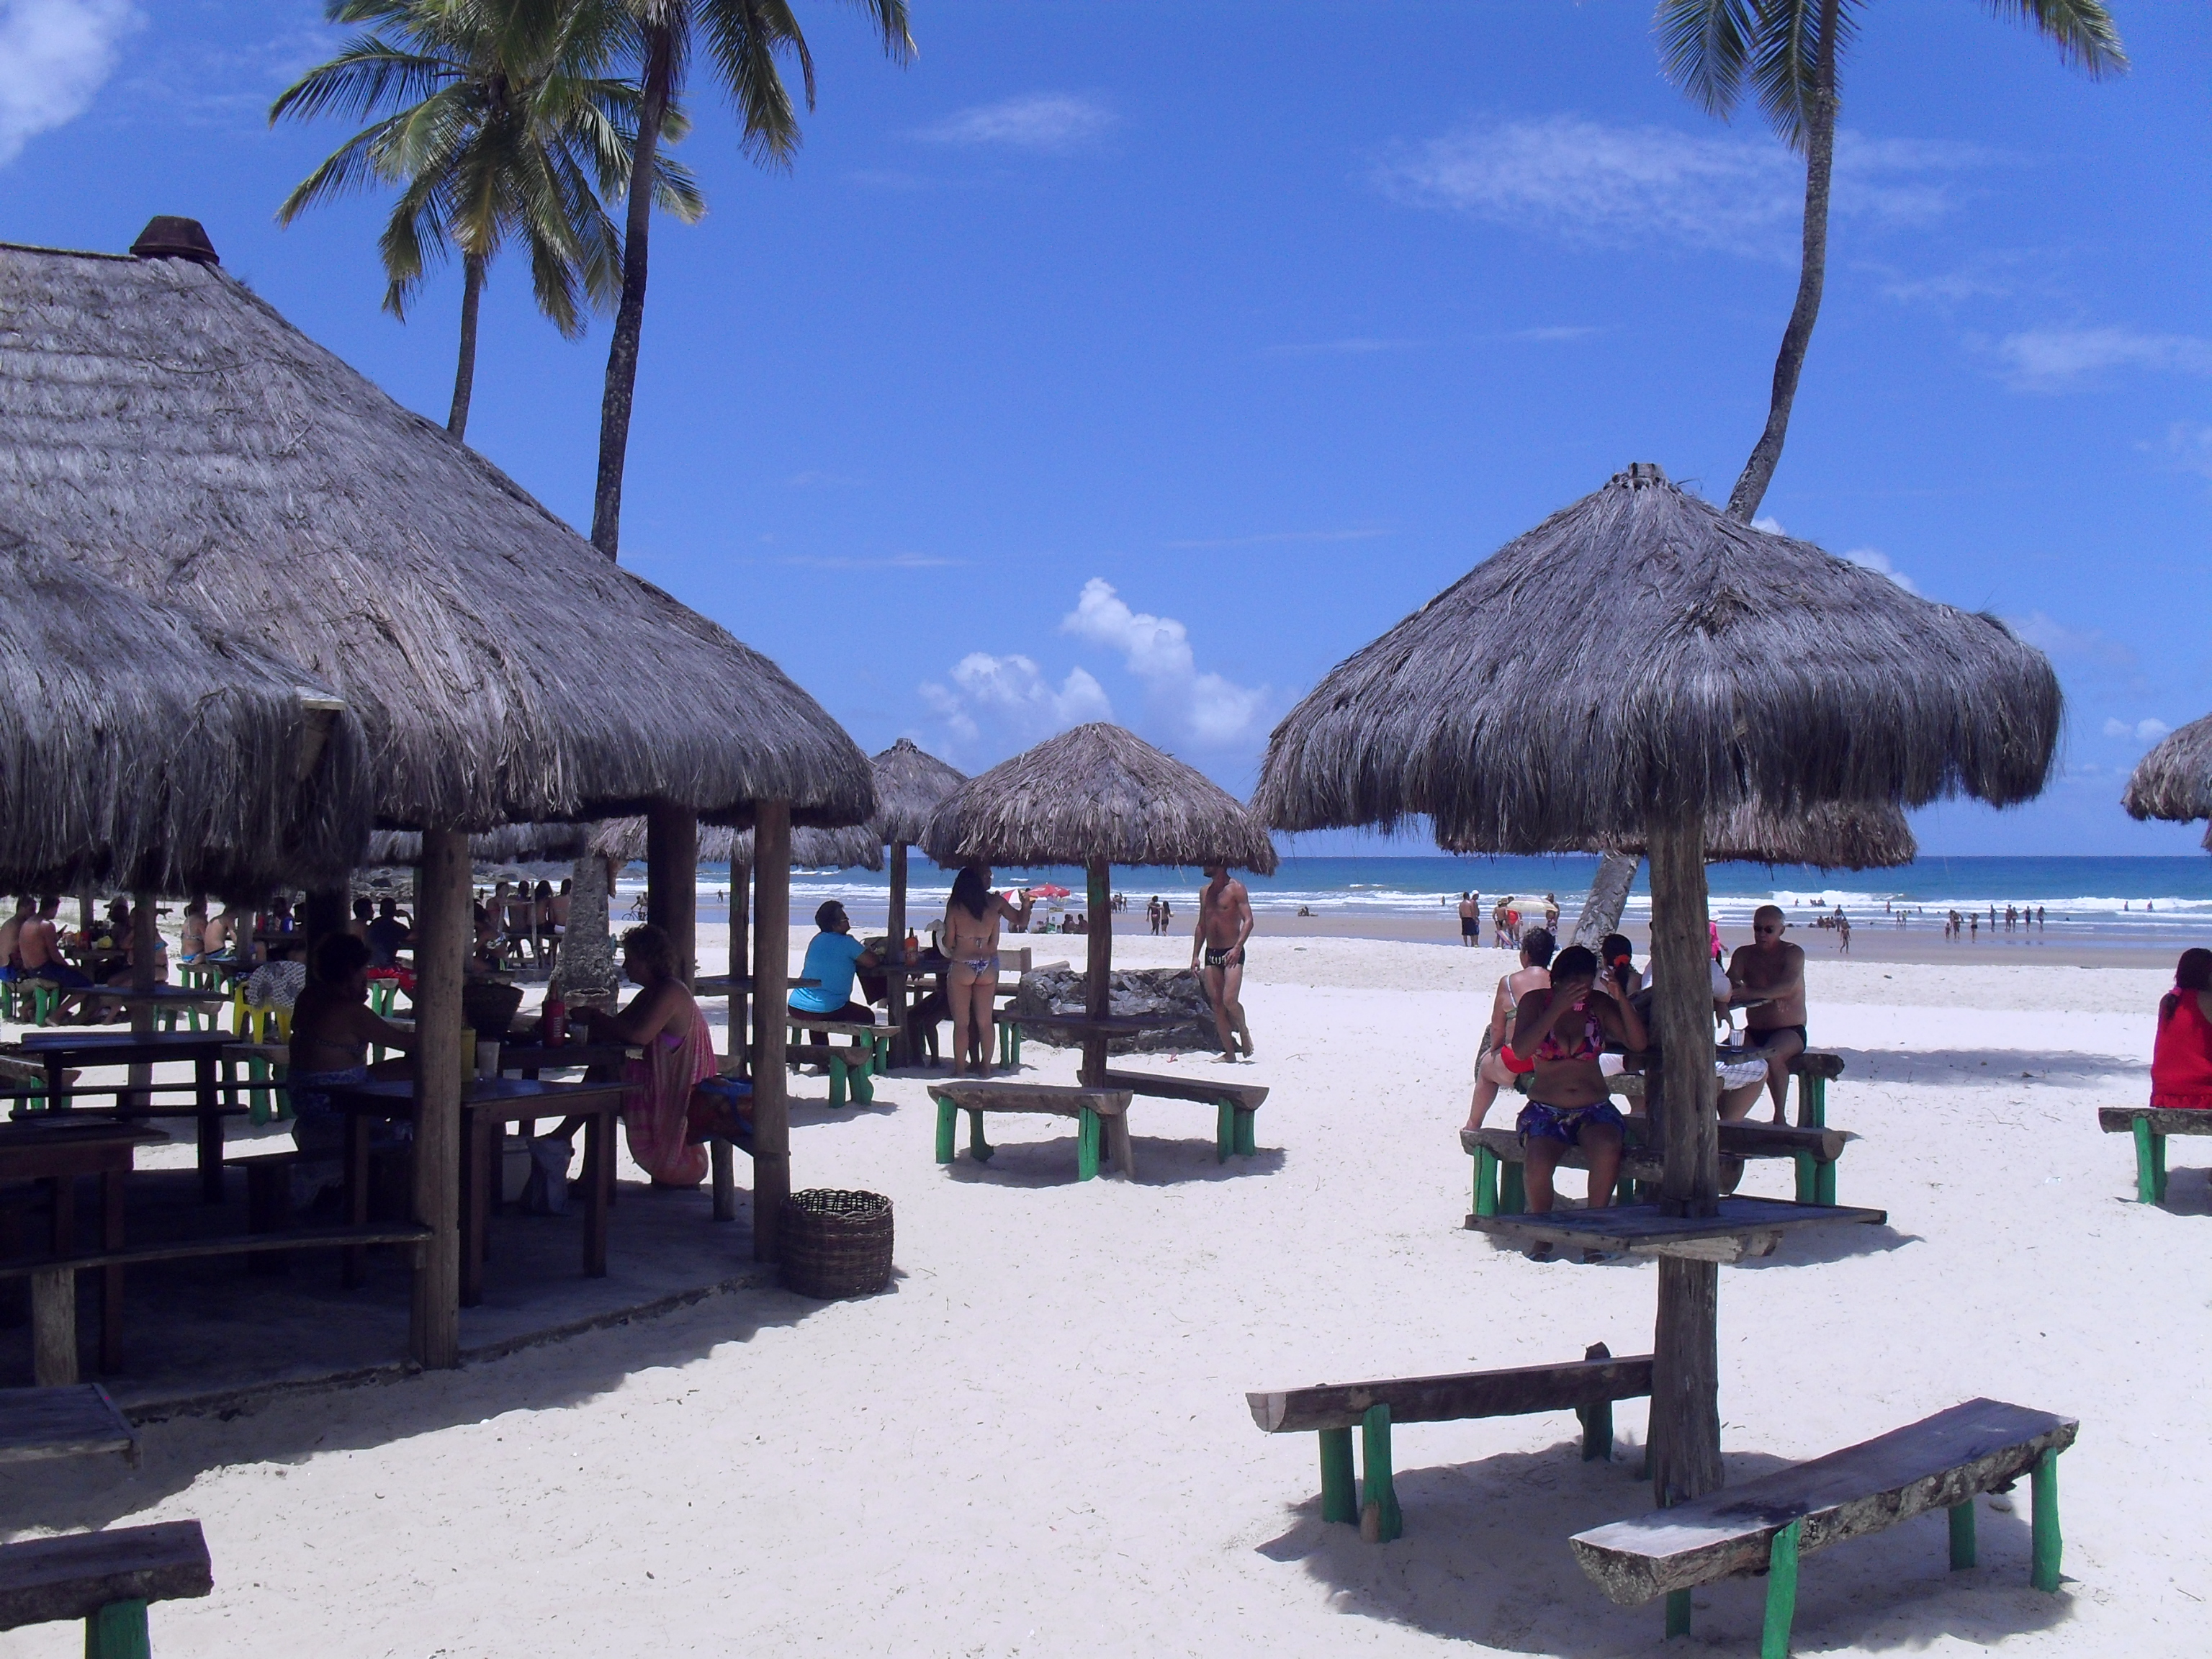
(743, 38)
(1785, 51)
(497, 119)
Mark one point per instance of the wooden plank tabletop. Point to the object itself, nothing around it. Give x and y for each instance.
(78, 1421)
(1743, 1227)
(2164, 1119)
(46, 1580)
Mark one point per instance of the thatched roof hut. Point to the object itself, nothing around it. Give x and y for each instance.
(1639, 654)
(162, 424)
(1097, 793)
(511, 843)
(910, 782)
(854, 846)
(1826, 835)
(2174, 781)
(146, 749)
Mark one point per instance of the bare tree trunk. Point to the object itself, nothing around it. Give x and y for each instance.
(588, 962)
(1820, 160)
(629, 315)
(464, 374)
(441, 951)
(1608, 897)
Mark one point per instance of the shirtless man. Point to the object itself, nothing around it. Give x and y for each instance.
(1769, 981)
(10, 930)
(38, 945)
(1470, 920)
(1225, 923)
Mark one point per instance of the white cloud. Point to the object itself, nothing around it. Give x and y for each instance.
(2087, 645)
(1771, 525)
(1208, 708)
(1009, 698)
(2188, 447)
(1872, 558)
(54, 56)
(1051, 122)
(1590, 182)
(2144, 731)
(2056, 359)
(1553, 334)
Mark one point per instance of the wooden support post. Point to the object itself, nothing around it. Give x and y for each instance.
(1963, 1549)
(145, 949)
(902, 1048)
(444, 926)
(1338, 1500)
(1379, 1519)
(2045, 1543)
(741, 964)
(1597, 1416)
(1781, 1593)
(1098, 999)
(53, 1328)
(1686, 1424)
(671, 881)
(772, 998)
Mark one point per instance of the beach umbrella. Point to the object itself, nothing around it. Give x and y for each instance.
(2174, 781)
(146, 749)
(1685, 665)
(1097, 796)
(1823, 834)
(852, 847)
(511, 843)
(164, 426)
(910, 783)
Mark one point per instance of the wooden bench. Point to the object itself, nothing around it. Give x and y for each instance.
(2151, 1125)
(77, 1421)
(104, 1578)
(851, 1066)
(1587, 1387)
(1944, 1461)
(53, 1281)
(722, 1148)
(1234, 1104)
(1500, 1155)
(1099, 1114)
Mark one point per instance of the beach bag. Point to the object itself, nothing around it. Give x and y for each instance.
(545, 1188)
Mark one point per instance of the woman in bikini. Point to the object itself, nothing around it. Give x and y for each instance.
(971, 981)
(332, 1030)
(1533, 975)
(1557, 1035)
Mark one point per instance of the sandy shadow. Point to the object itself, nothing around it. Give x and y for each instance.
(1484, 1558)
(1160, 1162)
(1803, 1247)
(1971, 1066)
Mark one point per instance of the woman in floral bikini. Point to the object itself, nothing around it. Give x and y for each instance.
(1557, 1035)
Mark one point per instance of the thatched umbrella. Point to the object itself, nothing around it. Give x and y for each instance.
(1822, 836)
(1097, 796)
(163, 425)
(511, 843)
(1633, 665)
(2174, 781)
(909, 784)
(144, 748)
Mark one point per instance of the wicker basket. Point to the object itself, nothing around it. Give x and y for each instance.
(836, 1243)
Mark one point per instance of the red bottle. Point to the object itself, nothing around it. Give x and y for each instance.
(553, 1029)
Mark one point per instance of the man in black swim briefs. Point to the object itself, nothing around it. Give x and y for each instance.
(1768, 977)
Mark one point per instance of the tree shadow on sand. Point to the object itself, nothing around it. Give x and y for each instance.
(1484, 1558)
(1160, 1162)
(1957, 1066)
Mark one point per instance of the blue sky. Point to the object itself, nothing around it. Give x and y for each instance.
(1150, 358)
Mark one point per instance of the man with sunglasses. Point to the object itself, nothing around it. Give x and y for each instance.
(1769, 980)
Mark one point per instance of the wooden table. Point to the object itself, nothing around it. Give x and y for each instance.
(1740, 1227)
(160, 996)
(488, 1105)
(75, 1420)
(58, 1152)
(60, 1050)
(531, 1058)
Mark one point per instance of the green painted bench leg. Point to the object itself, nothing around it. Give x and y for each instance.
(1513, 1198)
(2146, 1163)
(1806, 1179)
(1678, 1614)
(978, 1148)
(859, 1078)
(257, 1069)
(2158, 1165)
(1224, 1130)
(1248, 1131)
(1379, 1519)
(1812, 1102)
(1823, 1183)
(837, 1081)
(2043, 1533)
(1017, 1045)
(948, 1127)
(118, 1630)
(1485, 1182)
(1781, 1594)
(1086, 1144)
(1962, 1536)
(1597, 1431)
(1338, 1502)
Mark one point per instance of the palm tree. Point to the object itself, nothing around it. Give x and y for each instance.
(497, 119)
(743, 38)
(1785, 51)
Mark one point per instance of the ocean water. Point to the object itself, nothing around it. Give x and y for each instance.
(2153, 899)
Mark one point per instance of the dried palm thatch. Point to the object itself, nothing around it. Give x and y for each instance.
(1640, 656)
(145, 748)
(2174, 781)
(1827, 835)
(160, 424)
(511, 843)
(854, 846)
(1095, 793)
(909, 784)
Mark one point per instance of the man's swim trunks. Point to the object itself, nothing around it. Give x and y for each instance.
(1764, 1037)
(1232, 958)
(1564, 1124)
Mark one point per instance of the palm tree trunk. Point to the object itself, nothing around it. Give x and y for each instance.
(629, 315)
(465, 375)
(1820, 160)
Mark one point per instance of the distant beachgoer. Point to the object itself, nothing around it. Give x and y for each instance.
(1551, 914)
(1470, 920)
(332, 1030)
(26, 909)
(1491, 1071)
(1224, 925)
(191, 932)
(2039, 917)
(387, 935)
(363, 914)
(38, 947)
(2181, 1055)
(277, 982)
(1559, 1033)
(221, 932)
(972, 916)
(832, 956)
(1974, 928)
(1498, 913)
(1768, 977)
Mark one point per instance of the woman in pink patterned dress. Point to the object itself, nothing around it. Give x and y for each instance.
(665, 1021)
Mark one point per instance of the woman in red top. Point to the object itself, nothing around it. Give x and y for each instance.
(2181, 1058)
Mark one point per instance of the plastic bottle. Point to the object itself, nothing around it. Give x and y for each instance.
(913, 948)
(554, 1027)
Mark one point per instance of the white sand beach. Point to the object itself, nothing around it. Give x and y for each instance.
(1037, 1442)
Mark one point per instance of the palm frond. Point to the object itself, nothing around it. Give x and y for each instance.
(368, 72)
(2083, 31)
(1705, 48)
(744, 38)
